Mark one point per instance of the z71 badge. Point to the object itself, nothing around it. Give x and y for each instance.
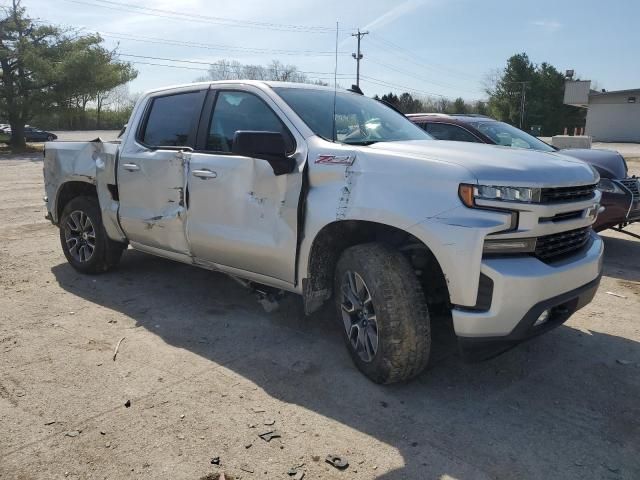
(335, 159)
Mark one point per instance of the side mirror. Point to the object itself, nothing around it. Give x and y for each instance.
(269, 146)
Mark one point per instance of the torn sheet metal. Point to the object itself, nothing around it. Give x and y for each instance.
(106, 157)
(64, 162)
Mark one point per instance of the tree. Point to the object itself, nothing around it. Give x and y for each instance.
(45, 68)
(27, 56)
(274, 71)
(543, 87)
(481, 108)
(459, 106)
(392, 99)
(87, 74)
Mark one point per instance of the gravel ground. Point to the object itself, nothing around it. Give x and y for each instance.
(206, 371)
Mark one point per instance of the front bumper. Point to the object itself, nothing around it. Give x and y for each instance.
(523, 288)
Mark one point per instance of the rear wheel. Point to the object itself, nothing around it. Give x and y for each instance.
(84, 241)
(384, 313)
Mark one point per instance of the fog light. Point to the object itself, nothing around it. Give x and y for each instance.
(544, 316)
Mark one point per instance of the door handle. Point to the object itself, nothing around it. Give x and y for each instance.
(204, 173)
(132, 167)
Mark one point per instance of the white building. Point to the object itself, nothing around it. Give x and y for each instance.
(611, 116)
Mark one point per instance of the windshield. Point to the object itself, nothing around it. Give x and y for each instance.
(359, 120)
(508, 136)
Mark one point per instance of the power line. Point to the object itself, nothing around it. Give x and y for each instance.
(212, 64)
(344, 76)
(406, 72)
(210, 46)
(412, 58)
(383, 83)
(175, 15)
(184, 67)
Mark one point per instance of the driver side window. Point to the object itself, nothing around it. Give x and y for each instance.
(236, 110)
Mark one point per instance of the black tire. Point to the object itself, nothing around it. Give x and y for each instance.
(50, 138)
(106, 252)
(400, 311)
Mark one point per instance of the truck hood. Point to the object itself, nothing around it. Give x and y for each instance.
(497, 165)
(609, 163)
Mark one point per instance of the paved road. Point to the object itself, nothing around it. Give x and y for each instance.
(205, 369)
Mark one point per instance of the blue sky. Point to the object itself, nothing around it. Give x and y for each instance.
(443, 47)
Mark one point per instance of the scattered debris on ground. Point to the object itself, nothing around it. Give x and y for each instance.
(616, 294)
(115, 351)
(270, 435)
(337, 461)
(624, 362)
(217, 476)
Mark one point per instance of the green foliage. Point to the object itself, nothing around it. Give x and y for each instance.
(77, 119)
(544, 91)
(459, 106)
(406, 103)
(44, 69)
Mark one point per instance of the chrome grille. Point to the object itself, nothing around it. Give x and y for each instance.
(549, 247)
(632, 185)
(567, 194)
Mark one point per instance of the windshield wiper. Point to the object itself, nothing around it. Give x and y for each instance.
(364, 142)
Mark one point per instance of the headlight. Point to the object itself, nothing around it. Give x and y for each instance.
(609, 186)
(470, 193)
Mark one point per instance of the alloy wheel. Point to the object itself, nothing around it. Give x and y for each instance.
(359, 316)
(80, 236)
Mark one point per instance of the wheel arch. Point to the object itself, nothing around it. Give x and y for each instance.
(70, 190)
(335, 237)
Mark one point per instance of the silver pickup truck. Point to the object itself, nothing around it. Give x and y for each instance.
(335, 196)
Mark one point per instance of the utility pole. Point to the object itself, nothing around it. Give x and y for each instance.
(523, 98)
(358, 56)
(523, 103)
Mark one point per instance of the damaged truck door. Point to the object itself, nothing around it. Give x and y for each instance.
(152, 175)
(243, 210)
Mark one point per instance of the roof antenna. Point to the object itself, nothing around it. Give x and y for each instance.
(335, 88)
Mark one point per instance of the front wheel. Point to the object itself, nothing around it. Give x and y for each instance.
(84, 241)
(383, 310)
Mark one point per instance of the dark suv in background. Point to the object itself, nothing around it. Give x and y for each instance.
(620, 193)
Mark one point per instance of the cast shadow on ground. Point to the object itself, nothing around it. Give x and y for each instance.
(622, 256)
(557, 407)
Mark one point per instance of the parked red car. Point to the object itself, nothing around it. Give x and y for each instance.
(620, 192)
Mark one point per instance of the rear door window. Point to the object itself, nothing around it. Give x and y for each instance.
(171, 120)
(445, 131)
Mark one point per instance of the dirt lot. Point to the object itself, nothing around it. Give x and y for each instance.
(206, 371)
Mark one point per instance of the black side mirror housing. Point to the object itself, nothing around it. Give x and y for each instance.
(269, 146)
